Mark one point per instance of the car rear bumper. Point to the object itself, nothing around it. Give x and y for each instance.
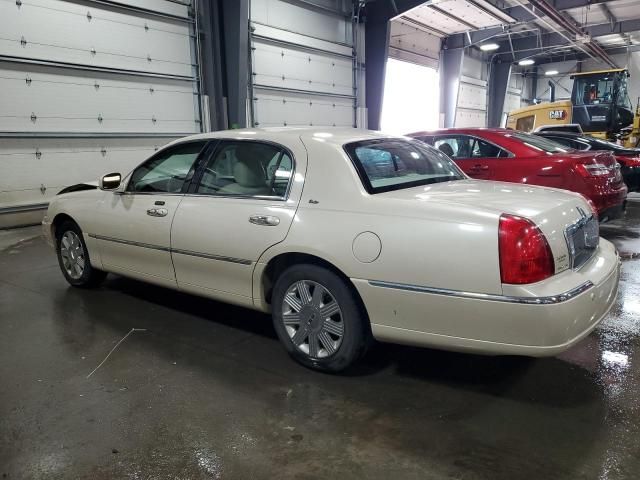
(611, 204)
(496, 325)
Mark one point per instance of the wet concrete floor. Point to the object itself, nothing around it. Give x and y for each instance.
(206, 391)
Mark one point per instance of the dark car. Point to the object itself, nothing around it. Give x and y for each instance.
(628, 158)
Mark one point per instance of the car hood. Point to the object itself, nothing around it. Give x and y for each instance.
(497, 197)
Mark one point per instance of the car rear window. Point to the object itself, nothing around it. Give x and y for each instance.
(393, 164)
(537, 142)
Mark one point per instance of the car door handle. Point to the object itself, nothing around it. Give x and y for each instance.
(157, 212)
(481, 167)
(266, 220)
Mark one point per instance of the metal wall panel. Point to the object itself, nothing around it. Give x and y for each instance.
(90, 87)
(304, 19)
(277, 109)
(38, 168)
(41, 99)
(302, 66)
(60, 31)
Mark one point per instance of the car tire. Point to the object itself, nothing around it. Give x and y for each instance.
(325, 328)
(73, 257)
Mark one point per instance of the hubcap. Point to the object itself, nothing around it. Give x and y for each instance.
(313, 319)
(72, 254)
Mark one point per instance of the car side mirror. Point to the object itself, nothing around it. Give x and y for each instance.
(111, 181)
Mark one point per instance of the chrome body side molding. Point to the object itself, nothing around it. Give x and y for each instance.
(562, 297)
(221, 258)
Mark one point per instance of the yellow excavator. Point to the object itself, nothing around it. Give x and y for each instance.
(599, 106)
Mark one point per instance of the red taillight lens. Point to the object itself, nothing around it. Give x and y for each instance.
(525, 256)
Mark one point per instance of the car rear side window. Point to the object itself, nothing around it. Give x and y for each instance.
(246, 168)
(393, 164)
(465, 146)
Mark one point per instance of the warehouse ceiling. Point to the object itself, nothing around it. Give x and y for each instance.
(570, 29)
(543, 30)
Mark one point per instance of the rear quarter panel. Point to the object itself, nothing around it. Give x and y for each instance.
(447, 246)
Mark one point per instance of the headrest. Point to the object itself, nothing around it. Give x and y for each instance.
(446, 149)
(248, 170)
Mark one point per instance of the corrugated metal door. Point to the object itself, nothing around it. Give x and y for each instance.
(472, 103)
(88, 88)
(302, 64)
(414, 44)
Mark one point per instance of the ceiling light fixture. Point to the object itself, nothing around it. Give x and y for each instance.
(526, 61)
(487, 47)
(551, 72)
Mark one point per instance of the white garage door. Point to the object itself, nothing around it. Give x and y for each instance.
(472, 103)
(88, 88)
(302, 65)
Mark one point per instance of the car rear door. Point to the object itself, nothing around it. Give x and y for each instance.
(241, 202)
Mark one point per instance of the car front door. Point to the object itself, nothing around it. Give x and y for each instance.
(241, 201)
(477, 157)
(133, 230)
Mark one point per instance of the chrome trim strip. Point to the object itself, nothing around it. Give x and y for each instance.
(212, 257)
(562, 297)
(129, 242)
(222, 258)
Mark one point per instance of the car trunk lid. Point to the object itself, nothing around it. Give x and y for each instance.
(554, 211)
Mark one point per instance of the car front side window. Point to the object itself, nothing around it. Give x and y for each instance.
(166, 172)
(246, 168)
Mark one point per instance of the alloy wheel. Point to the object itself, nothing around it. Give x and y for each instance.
(73, 255)
(313, 319)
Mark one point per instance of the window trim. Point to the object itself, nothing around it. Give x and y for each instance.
(191, 191)
(194, 167)
(436, 137)
(364, 178)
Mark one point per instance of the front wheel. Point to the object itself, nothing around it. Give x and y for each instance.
(318, 319)
(73, 257)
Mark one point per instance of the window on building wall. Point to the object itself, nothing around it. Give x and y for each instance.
(411, 98)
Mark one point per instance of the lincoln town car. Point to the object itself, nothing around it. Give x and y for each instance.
(344, 236)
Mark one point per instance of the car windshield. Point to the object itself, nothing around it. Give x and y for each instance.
(393, 164)
(538, 143)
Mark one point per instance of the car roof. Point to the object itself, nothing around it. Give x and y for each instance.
(332, 135)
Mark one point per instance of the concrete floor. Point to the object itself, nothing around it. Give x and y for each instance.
(206, 391)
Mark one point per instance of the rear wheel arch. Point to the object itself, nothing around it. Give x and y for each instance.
(278, 264)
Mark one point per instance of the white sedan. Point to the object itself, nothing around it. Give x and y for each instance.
(345, 236)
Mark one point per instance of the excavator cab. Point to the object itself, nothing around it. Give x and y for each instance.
(600, 101)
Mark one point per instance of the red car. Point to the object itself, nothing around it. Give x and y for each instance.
(513, 156)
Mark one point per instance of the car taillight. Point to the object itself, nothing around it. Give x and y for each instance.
(592, 169)
(525, 255)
